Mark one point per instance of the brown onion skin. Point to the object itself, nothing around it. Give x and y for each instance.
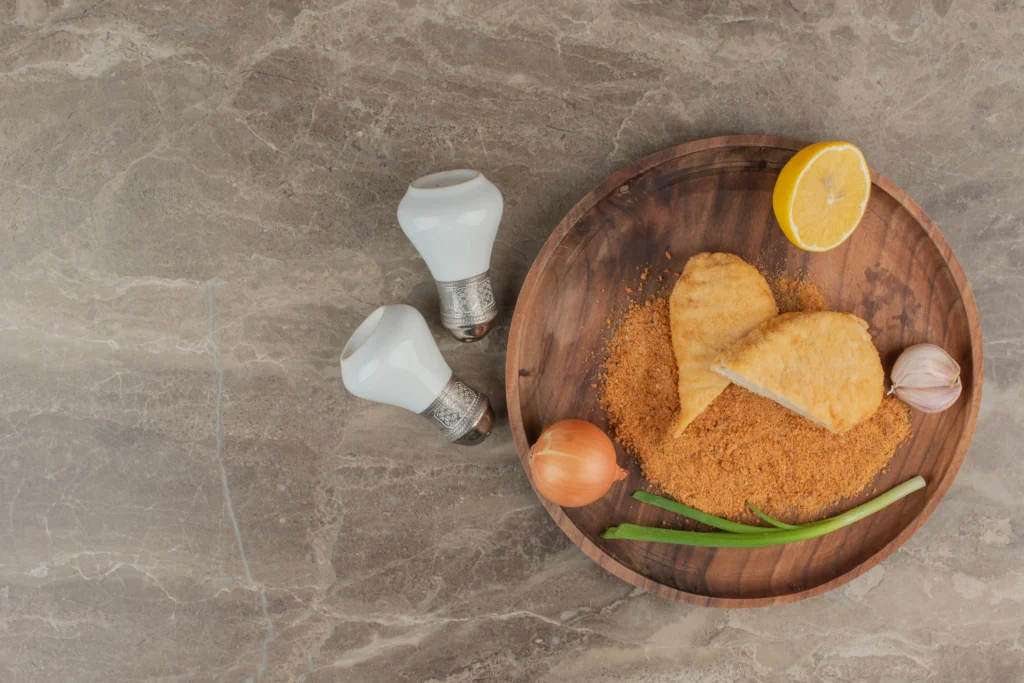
(573, 463)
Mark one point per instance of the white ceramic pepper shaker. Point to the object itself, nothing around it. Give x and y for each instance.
(392, 358)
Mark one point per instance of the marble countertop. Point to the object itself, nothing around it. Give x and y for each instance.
(197, 206)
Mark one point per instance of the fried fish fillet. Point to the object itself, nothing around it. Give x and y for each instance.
(718, 299)
(822, 365)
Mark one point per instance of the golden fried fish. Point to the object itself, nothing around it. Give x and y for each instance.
(821, 365)
(718, 299)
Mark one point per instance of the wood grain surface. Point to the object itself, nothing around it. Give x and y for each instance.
(896, 271)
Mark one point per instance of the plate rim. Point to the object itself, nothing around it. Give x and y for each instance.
(528, 291)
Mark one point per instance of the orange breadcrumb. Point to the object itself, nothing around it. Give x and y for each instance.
(743, 447)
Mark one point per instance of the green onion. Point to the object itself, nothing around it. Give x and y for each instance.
(774, 522)
(697, 515)
(717, 539)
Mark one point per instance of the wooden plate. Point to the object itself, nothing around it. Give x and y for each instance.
(896, 271)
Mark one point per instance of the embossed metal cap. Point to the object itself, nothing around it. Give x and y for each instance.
(468, 308)
(463, 415)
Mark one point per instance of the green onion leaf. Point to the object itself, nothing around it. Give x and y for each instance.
(767, 537)
(774, 522)
(697, 515)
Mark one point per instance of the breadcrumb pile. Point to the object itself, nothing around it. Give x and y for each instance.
(796, 294)
(743, 447)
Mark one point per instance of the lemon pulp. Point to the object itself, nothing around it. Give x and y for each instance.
(821, 195)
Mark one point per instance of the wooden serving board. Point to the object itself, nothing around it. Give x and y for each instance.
(896, 271)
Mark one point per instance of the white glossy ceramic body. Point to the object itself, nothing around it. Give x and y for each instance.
(392, 358)
(451, 218)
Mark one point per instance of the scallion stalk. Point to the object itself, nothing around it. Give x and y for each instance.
(771, 520)
(718, 539)
(698, 516)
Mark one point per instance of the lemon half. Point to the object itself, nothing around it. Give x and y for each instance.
(821, 195)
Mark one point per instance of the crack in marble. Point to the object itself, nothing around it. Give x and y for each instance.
(259, 137)
(210, 322)
(626, 119)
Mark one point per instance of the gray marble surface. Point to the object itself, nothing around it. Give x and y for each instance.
(197, 205)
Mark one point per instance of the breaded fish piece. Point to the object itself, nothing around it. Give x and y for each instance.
(821, 365)
(717, 300)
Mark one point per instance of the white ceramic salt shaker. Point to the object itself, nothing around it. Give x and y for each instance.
(452, 218)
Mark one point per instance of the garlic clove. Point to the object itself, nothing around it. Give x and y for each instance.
(930, 399)
(927, 378)
(924, 365)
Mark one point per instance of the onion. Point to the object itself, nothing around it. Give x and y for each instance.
(573, 463)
